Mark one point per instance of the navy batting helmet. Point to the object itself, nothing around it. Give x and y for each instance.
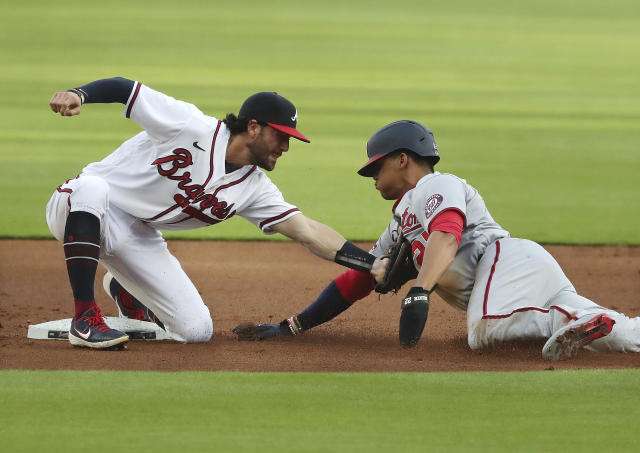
(405, 134)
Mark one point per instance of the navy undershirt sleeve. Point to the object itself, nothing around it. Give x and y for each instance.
(328, 305)
(105, 91)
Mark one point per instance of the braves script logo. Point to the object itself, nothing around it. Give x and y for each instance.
(181, 158)
(432, 204)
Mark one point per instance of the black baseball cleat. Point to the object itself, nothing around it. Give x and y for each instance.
(564, 344)
(90, 331)
(128, 306)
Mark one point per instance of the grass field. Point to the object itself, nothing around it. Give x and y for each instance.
(535, 103)
(495, 412)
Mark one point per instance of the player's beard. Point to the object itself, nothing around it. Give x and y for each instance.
(261, 155)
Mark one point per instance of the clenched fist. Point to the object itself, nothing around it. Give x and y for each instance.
(66, 103)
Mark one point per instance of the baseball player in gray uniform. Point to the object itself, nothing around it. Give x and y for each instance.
(510, 288)
(185, 170)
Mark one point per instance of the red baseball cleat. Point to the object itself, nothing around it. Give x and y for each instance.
(564, 344)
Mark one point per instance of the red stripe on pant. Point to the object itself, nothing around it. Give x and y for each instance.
(518, 310)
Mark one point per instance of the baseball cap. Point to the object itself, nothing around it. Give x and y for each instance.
(404, 134)
(275, 110)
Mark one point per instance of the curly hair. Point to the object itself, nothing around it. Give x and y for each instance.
(236, 125)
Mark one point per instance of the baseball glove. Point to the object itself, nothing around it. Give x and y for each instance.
(258, 332)
(400, 268)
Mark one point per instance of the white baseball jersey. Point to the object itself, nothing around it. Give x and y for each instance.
(172, 175)
(413, 213)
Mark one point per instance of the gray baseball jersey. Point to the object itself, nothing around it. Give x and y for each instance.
(414, 212)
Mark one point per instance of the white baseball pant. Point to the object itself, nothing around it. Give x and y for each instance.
(137, 256)
(521, 293)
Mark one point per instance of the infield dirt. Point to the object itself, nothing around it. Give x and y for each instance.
(267, 281)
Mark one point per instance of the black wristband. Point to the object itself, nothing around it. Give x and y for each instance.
(355, 258)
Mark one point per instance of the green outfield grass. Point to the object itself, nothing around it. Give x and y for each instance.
(536, 103)
(317, 412)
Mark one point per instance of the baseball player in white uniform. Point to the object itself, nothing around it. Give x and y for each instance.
(185, 170)
(511, 289)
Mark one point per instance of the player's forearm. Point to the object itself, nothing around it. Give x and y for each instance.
(104, 91)
(327, 243)
(439, 253)
(322, 240)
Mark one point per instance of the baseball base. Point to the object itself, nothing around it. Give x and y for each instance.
(137, 330)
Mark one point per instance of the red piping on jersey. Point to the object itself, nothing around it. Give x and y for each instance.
(393, 208)
(233, 183)
(278, 217)
(213, 144)
(166, 211)
(518, 310)
(133, 99)
(60, 189)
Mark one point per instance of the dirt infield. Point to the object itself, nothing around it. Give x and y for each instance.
(266, 281)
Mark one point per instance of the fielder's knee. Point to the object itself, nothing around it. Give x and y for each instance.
(196, 331)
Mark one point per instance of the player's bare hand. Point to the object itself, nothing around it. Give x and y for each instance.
(66, 103)
(379, 268)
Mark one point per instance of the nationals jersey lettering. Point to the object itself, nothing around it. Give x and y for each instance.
(409, 222)
(172, 175)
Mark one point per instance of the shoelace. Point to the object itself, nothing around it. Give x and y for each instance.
(96, 320)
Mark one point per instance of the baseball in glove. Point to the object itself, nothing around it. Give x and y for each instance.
(400, 268)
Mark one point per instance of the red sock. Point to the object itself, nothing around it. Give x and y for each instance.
(82, 307)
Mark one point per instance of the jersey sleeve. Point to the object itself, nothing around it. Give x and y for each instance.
(161, 116)
(267, 207)
(388, 237)
(448, 221)
(440, 194)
